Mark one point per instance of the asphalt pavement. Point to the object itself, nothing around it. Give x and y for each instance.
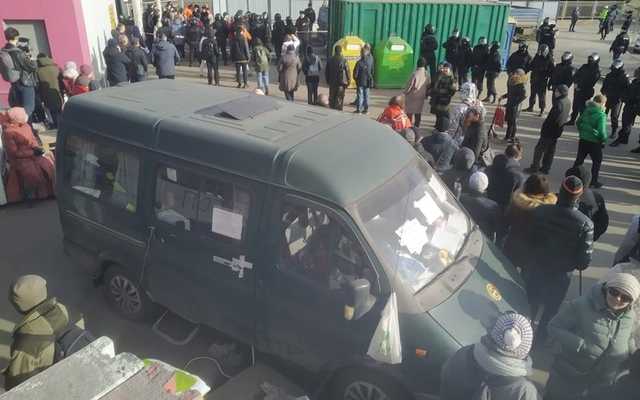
(31, 239)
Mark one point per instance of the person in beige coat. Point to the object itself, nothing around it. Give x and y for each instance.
(288, 72)
(416, 92)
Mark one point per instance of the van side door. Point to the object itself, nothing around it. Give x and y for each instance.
(313, 253)
(203, 251)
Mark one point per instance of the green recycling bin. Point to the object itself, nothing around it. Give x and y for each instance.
(394, 63)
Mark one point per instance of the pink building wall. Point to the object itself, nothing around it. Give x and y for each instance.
(64, 25)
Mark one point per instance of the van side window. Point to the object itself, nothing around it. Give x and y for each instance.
(316, 246)
(102, 171)
(202, 205)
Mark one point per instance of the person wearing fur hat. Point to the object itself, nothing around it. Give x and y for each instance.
(496, 367)
(516, 94)
(594, 333)
(484, 211)
(33, 347)
(560, 240)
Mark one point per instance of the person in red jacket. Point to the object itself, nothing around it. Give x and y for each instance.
(394, 115)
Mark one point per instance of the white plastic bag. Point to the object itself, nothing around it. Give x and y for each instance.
(385, 345)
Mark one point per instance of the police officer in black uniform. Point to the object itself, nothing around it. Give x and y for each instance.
(547, 35)
(277, 34)
(615, 84)
(310, 14)
(465, 60)
(479, 63)
(585, 79)
(631, 99)
(493, 67)
(428, 48)
(563, 72)
(452, 48)
(541, 68)
(620, 44)
(221, 34)
(520, 59)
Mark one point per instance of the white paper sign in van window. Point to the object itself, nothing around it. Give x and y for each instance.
(172, 175)
(227, 223)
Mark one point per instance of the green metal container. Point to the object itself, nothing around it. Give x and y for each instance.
(375, 21)
(394, 63)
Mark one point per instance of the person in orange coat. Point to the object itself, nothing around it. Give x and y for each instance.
(31, 171)
(395, 116)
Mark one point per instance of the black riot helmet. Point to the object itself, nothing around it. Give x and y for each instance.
(593, 58)
(523, 47)
(277, 17)
(456, 32)
(545, 21)
(482, 40)
(465, 41)
(567, 57)
(429, 29)
(495, 45)
(217, 17)
(543, 50)
(617, 65)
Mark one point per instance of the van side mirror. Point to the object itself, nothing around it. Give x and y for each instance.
(359, 299)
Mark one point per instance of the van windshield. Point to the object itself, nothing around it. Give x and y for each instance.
(416, 225)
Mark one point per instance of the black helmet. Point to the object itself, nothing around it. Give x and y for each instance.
(482, 40)
(455, 32)
(567, 56)
(593, 58)
(495, 43)
(429, 29)
(218, 17)
(523, 47)
(543, 50)
(545, 20)
(617, 64)
(277, 16)
(466, 40)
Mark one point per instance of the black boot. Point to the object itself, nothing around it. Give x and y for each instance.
(530, 109)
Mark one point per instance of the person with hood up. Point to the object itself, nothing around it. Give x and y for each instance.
(338, 75)
(563, 72)
(363, 76)
(457, 178)
(520, 59)
(493, 69)
(33, 347)
(541, 68)
(505, 175)
(444, 87)
(428, 48)
(479, 61)
(415, 92)
(441, 146)
(139, 65)
(464, 61)
(484, 211)
(117, 61)
(594, 332)
(591, 203)
(31, 170)
(535, 192)
(561, 240)
(620, 45)
(451, 49)
(495, 368)
(260, 56)
(614, 86)
(164, 57)
(289, 68)
(552, 129)
(516, 94)
(49, 86)
(240, 56)
(585, 79)
(475, 135)
(592, 129)
(468, 99)
(311, 67)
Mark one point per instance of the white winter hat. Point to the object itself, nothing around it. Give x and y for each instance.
(478, 182)
(513, 335)
(626, 283)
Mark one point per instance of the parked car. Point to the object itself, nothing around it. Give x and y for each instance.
(285, 226)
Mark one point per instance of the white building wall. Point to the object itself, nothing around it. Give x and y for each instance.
(99, 21)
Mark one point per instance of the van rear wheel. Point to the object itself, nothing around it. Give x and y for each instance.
(364, 384)
(126, 296)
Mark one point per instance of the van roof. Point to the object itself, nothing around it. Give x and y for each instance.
(329, 154)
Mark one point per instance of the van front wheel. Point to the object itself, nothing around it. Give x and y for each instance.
(126, 296)
(364, 384)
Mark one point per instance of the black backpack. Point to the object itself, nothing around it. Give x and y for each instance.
(70, 341)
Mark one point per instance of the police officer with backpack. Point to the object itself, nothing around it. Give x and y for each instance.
(17, 68)
(210, 55)
(547, 35)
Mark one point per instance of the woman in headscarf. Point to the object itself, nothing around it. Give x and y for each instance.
(594, 332)
(468, 98)
(289, 68)
(31, 170)
(415, 92)
(69, 75)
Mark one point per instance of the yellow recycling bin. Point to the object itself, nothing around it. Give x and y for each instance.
(351, 46)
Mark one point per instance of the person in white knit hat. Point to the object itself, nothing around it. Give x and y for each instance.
(497, 367)
(484, 211)
(594, 332)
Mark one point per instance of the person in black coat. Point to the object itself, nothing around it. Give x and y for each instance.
(516, 94)
(240, 56)
(631, 99)
(552, 129)
(451, 50)
(541, 68)
(591, 203)
(221, 33)
(563, 72)
(475, 135)
(493, 67)
(620, 45)
(585, 79)
(457, 178)
(117, 62)
(441, 146)
(546, 34)
(484, 211)
(428, 48)
(210, 55)
(615, 84)
(520, 59)
(479, 61)
(278, 33)
(139, 62)
(505, 175)
(193, 36)
(464, 61)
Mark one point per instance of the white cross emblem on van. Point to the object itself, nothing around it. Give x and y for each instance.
(236, 264)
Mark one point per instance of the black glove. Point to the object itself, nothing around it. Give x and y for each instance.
(38, 151)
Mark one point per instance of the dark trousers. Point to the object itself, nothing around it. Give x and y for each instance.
(222, 45)
(628, 119)
(548, 290)
(477, 76)
(288, 94)
(572, 27)
(440, 115)
(463, 76)
(213, 74)
(138, 78)
(23, 96)
(431, 62)
(180, 48)
(336, 97)
(580, 98)
(312, 89)
(241, 67)
(512, 114)
(545, 150)
(416, 118)
(616, 54)
(167, 77)
(539, 90)
(491, 84)
(593, 150)
(614, 109)
(193, 53)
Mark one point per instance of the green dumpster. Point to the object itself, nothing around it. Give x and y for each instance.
(394, 63)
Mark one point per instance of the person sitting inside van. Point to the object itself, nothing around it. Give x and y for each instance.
(168, 213)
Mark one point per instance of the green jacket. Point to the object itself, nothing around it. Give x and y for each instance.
(261, 58)
(592, 124)
(48, 74)
(33, 347)
(593, 344)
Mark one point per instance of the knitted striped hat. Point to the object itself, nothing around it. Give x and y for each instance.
(513, 335)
